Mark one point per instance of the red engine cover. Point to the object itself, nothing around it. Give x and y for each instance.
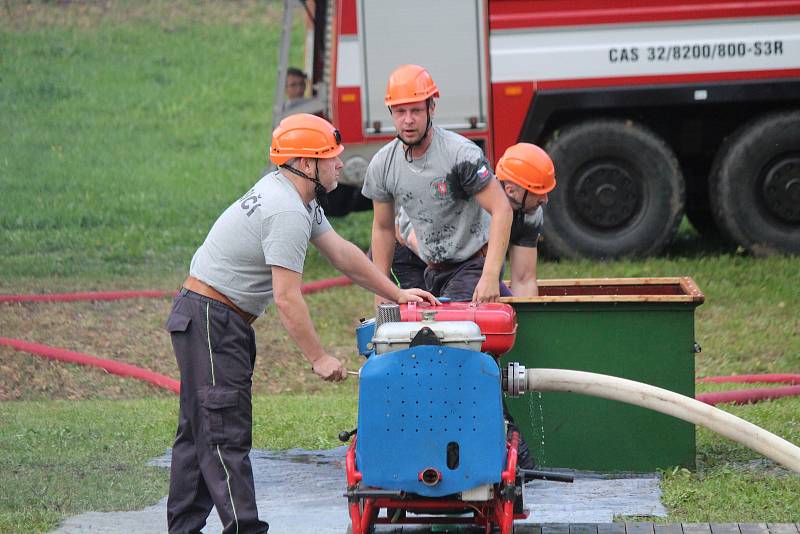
(498, 322)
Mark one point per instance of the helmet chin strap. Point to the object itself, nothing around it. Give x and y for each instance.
(521, 208)
(522, 204)
(520, 213)
(320, 194)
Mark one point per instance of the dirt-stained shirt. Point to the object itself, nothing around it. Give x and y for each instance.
(525, 227)
(437, 191)
(270, 225)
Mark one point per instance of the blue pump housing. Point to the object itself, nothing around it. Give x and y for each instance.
(430, 407)
(364, 334)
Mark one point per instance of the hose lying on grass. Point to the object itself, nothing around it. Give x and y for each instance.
(746, 396)
(311, 287)
(737, 397)
(111, 366)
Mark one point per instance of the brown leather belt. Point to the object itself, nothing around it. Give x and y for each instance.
(201, 288)
(450, 265)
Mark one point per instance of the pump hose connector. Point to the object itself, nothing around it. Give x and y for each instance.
(515, 380)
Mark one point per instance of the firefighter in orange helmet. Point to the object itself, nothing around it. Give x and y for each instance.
(253, 256)
(446, 187)
(528, 175)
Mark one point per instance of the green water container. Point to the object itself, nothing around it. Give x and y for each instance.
(641, 329)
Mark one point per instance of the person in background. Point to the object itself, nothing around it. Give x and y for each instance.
(296, 85)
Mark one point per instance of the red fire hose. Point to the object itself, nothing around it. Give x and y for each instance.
(123, 369)
(746, 396)
(311, 287)
(114, 367)
(754, 379)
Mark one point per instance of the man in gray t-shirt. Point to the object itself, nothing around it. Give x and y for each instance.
(408, 269)
(527, 175)
(445, 185)
(253, 256)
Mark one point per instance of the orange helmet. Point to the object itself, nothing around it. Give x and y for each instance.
(304, 136)
(409, 83)
(528, 166)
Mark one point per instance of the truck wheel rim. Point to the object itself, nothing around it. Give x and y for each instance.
(606, 196)
(781, 189)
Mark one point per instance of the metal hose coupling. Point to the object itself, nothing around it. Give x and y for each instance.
(430, 476)
(515, 380)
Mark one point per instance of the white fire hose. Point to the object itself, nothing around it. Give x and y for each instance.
(517, 380)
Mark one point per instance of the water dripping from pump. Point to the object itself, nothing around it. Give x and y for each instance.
(536, 416)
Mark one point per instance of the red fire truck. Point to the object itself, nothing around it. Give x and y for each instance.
(650, 109)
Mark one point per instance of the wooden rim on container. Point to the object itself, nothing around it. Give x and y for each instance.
(689, 289)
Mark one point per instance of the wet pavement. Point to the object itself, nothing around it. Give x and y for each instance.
(300, 491)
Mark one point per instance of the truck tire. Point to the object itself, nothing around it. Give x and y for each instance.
(620, 191)
(755, 185)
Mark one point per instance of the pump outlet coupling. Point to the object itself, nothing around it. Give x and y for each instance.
(430, 476)
(515, 380)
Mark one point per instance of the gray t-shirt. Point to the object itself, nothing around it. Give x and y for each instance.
(270, 225)
(437, 191)
(525, 227)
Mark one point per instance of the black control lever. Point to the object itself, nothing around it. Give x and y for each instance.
(344, 435)
(374, 493)
(532, 474)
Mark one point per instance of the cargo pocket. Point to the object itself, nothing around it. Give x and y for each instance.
(177, 323)
(220, 404)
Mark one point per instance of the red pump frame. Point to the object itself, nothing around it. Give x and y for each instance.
(497, 511)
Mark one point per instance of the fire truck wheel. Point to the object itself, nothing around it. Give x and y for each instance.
(620, 191)
(755, 185)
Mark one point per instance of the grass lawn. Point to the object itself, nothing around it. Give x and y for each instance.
(126, 129)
